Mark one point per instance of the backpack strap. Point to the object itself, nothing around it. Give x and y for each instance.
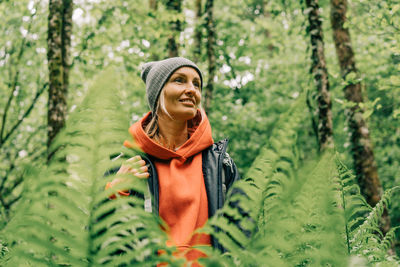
(223, 185)
(147, 200)
(227, 162)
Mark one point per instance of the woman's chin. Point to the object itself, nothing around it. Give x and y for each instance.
(185, 115)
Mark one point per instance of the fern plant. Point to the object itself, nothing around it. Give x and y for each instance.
(66, 217)
(303, 227)
(298, 213)
(362, 223)
(271, 193)
(283, 213)
(295, 202)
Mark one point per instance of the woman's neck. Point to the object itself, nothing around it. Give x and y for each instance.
(173, 133)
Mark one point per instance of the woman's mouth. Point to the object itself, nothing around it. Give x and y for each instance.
(188, 101)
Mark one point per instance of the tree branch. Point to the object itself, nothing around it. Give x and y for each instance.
(9, 189)
(15, 80)
(26, 114)
(3, 181)
(3, 204)
(11, 202)
(12, 166)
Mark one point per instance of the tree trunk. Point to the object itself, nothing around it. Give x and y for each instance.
(320, 74)
(59, 43)
(173, 45)
(66, 41)
(362, 151)
(210, 27)
(153, 4)
(197, 35)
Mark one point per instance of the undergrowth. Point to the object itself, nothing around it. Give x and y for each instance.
(284, 212)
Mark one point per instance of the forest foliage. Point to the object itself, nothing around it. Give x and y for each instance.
(309, 209)
(286, 214)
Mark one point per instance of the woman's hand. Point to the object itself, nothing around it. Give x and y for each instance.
(136, 166)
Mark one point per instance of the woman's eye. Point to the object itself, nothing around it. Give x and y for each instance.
(196, 84)
(178, 79)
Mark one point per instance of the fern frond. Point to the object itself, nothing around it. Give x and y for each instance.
(367, 240)
(243, 212)
(66, 217)
(351, 201)
(362, 223)
(389, 239)
(303, 226)
(296, 222)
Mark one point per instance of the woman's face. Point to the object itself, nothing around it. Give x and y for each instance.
(182, 94)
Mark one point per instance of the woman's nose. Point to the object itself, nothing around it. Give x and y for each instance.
(190, 88)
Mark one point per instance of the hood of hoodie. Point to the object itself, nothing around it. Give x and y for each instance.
(200, 138)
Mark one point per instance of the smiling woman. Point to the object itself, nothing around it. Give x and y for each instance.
(188, 174)
(182, 94)
(179, 102)
(176, 85)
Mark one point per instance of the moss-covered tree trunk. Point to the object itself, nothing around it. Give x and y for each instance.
(320, 74)
(210, 27)
(362, 149)
(173, 44)
(197, 34)
(59, 44)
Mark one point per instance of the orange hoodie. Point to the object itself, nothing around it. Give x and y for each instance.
(182, 195)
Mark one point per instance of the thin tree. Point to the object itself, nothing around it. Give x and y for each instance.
(59, 44)
(210, 28)
(361, 145)
(153, 4)
(173, 44)
(320, 75)
(198, 34)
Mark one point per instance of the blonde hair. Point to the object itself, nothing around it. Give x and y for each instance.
(152, 129)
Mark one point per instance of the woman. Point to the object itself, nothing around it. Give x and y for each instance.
(188, 174)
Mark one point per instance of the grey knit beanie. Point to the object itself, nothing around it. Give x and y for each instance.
(156, 73)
